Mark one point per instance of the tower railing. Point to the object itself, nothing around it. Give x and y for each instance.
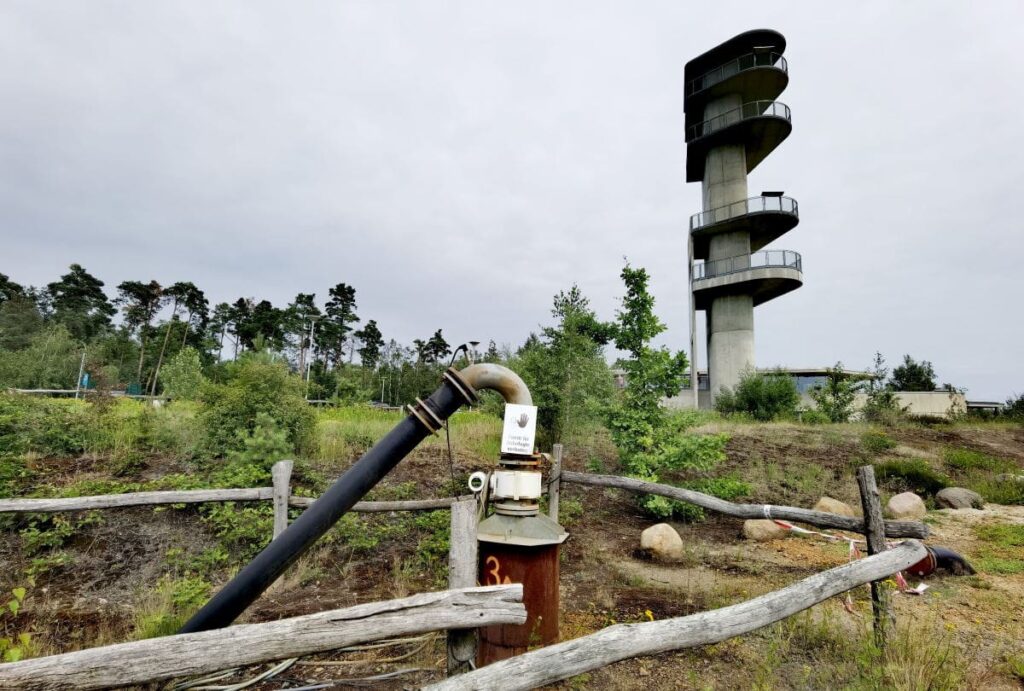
(751, 109)
(754, 205)
(733, 67)
(787, 259)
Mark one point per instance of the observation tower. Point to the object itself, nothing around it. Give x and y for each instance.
(732, 123)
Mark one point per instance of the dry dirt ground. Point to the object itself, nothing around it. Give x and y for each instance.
(606, 579)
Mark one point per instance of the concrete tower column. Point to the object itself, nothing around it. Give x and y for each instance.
(730, 318)
(732, 123)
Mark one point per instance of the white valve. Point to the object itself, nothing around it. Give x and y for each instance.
(515, 484)
(477, 481)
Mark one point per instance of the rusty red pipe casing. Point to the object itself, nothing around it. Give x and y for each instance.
(518, 544)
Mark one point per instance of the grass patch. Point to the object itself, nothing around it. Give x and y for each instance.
(1003, 553)
(1005, 492)
(875, 442)
(345, 432)
(910, 475)
(826, 651)
(966, 460)
(1002, 535)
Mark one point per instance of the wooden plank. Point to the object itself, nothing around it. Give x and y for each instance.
(623, 641)
(881, 606)
(786, 513)
(109, 501)
(462, 569)
(185, 655)
(555, 482)
(281, 473)
(199, 496)
(383, 506)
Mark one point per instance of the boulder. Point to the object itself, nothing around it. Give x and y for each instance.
(662, 542)
(762, 529)
(906, 506)
(830, 505)
(959, 498)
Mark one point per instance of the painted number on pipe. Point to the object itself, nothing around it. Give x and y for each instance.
(495, 572)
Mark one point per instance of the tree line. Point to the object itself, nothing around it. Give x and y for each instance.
(129, 337)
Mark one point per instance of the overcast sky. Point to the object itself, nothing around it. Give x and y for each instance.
(459, 163)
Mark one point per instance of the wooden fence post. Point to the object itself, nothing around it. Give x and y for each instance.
(874, 531)
(281, 474)
(555, 482)
(462, 567)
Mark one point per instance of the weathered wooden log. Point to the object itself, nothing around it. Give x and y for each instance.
(189, 654)
(555, 483)
(199, 496)
(786, 513)
(623, 641)
(109, 501)
(874, 531)
(281, 474)
(462, 568)
(384, 506)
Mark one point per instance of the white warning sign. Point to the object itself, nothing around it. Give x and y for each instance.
(520, 429)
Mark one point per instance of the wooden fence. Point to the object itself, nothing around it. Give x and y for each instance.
(174, 656)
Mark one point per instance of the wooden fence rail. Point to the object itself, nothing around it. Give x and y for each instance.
(185, 655)
(623, 641)
(706, 501)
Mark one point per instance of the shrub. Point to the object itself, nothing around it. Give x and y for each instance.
(1014, 408)
(182, 376)
(47, 426)
(835, 397)
(763, 396)
(261, 449)
(814, 417)
(914, 475)
(876, 442)
(254, 384)
(50, 361)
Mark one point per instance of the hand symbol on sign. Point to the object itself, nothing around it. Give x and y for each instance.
(522, 420)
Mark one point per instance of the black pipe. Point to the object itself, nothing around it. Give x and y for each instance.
(262, 571)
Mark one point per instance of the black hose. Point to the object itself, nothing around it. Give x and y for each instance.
(269, 564)
(951, 561)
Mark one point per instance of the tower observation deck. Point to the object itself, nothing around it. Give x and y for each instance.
(733, 122)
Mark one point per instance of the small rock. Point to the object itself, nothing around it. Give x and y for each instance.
(762, 529)
(906, 506)
(830, 505)
(959, 498)
(1009, 477)
(662, 542)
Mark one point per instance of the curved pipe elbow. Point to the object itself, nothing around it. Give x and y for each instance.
(487, 375)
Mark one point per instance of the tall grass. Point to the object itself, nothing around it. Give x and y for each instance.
(345, 432)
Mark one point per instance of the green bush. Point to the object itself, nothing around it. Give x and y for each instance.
(50, 361)
(254, 384)
(875, 442)
(182, 376)
(261, 449)
(814, 417)
(913, 475)
(47, 426)
(765, 397)
(835, 396)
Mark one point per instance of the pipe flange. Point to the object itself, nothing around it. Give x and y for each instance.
(459, 384)
(516, 508)
(427, 417)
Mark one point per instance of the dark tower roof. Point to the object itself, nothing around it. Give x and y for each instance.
(733, 48)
